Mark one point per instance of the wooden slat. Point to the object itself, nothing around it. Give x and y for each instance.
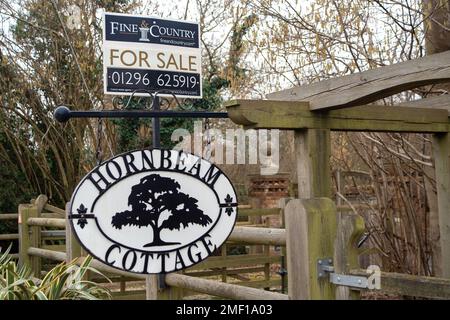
(227, 272)
(261, 283)
(437, 102)
(409, 285)
(248, 224)
(113, 278)
(350, 228)
(129, 295)
(268, 114)
(53, 234)
(235, 261)
(258, 212)
(368, 86)
(55, 247)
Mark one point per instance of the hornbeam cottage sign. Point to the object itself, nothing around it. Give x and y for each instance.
(154, 54)
(153, 211)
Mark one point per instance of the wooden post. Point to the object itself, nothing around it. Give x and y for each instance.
(340, 186)
(441, 147)
(40, 202)
(266, 250)
(73, 248)
(153, 292)
(35, 235)
(350, 227)
(151, 287)
(24, 234)
(282, 205)
(123, 284)
(313, 150)
(224, 255)
(29, 237)
(35, 241)
(311, 231)
(267, 266)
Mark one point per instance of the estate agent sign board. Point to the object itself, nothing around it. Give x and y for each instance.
(154, 54)
(153, 211)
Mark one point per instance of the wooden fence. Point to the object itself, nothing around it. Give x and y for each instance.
(45, 238)
(10, 237)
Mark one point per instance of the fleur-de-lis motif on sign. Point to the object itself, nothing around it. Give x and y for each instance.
(82, 211)
(229, 201)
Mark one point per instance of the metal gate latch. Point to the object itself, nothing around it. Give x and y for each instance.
(325, 269)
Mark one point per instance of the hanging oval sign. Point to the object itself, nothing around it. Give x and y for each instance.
(153, 211)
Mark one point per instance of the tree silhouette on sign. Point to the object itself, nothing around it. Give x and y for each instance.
(153, 196)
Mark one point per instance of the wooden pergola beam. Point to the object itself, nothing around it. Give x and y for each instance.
(266, 114)
(436, 102)
(372, 85)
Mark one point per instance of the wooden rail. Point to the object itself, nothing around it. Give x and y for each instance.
(220, 289)
(9, 216)
(269, 236)
(268, 114)
(410, 285)
(11, 236)
(259, 212)
(47, 222)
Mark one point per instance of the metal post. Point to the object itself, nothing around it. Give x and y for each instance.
(156, 124)
(156, 137)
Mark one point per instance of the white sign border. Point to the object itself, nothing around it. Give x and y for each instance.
(72, 220)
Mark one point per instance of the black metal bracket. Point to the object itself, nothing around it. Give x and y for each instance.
(162, 281)
(63, 114)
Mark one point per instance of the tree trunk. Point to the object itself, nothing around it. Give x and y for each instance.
(437, 25)
(157, 241)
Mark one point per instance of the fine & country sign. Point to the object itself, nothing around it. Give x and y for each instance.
(145, 53)
(153, 211)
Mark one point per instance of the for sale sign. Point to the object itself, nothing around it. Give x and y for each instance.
(145, 53)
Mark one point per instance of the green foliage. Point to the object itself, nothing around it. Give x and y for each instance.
(63, 282)
(128, 129)
(14, 188)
